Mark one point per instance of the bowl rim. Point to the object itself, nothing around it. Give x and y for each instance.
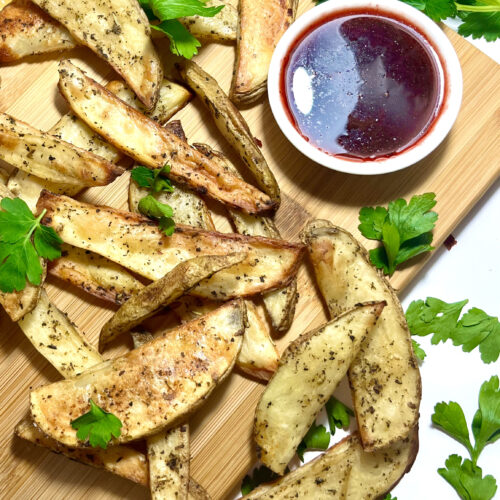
(439, 128)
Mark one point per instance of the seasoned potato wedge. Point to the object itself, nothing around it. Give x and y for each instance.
(117, 31)
(138, 388)
(168, 458)
(95, 274)
(18, 304)
(137, 243)
(232, 126)
(258, 355)
(73, 130)
(151, 145)
(164, 291)
(309, 371)
(26, 30)
(50, 158)
(222, 27)
(57, 339)
(280, 304)
(189, 208)
(262, 24)
(345, 472)
(120, 460)
(384, 378)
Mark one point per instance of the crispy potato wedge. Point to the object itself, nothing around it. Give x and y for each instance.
(384, 378)
(232, 126)
(222, 27)
(189, 208)
(262, 24)
(168, 453)
(95, 274)
(309, 371)
(18, 304)
(151, 145)
(118, 32)
(345, 472)
(50, 158)
(163, 292)
(258, 356)
(159, 396)
(73, 130)
(168, 457)
(120, 460)
(280, 304)
(26, 30)
(137, 243)
(57, 339)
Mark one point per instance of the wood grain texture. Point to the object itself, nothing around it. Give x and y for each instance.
(459, 172)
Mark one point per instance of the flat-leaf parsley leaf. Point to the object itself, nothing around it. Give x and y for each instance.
(97, 426)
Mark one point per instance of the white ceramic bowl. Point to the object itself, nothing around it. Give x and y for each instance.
(451, 76)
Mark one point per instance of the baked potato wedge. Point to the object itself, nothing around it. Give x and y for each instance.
(118, 32)
(346, 472)
(164, 380)
(262, 24)
(384, 378)
(232, 125)
(19, 303)
(137, 243)
(222, 27)
(161, 293)
(123, 461)
(309, 371)
(258, 356)
(57, 339)
(51, 158)
(280, 304)
(26, 30)
(149, 144)
(95, 274)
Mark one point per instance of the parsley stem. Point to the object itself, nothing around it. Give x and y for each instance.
(478, 8)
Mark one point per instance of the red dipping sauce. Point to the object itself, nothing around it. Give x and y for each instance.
(362, 85)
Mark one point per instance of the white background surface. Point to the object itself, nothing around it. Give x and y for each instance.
(470, 270)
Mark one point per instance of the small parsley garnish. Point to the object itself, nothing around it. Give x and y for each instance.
(23, 241)
(97, 426)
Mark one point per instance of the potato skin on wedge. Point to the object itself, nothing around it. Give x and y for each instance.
(345, 472)
(309, 371)
(384, 378)
(137, 243)
(149, 388)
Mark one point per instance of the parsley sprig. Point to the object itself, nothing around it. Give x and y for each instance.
(149, 205)
(97, 426)
(405, 230)
(23, 241)
(464, 474)
(182, 42)
(474, 329)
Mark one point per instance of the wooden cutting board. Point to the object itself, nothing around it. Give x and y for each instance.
(459, 172)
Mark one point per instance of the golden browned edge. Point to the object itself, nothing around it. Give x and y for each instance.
(253, 29)
(322, 227)
(190, 167)
(234, 127)
(179, 281)
(10, 138)
(24, 18)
